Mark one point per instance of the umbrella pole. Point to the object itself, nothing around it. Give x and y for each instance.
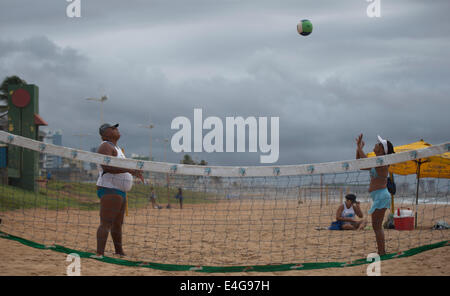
(417, 190)
(392, 196)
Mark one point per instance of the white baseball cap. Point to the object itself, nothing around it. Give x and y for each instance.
(384, 143)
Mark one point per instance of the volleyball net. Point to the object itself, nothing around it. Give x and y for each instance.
(264, 218)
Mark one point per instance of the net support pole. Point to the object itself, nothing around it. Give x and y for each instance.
(304, 194)
(168, 190)
(299, 195)
(321, 189)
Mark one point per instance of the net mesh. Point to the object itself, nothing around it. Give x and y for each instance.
(233, 219)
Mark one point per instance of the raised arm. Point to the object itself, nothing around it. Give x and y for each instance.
(359, 147)
(357, 210)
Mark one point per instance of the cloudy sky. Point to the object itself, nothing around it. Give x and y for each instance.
(156, 60)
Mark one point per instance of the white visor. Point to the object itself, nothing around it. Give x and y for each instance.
(384, 143)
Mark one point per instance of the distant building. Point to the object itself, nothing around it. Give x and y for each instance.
(41, 137)
(53, 161)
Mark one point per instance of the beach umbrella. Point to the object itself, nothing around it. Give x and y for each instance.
(437, 166)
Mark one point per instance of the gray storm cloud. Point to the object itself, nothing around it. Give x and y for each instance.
(162, 59)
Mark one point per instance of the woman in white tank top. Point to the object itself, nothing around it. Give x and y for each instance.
(112, 185)
(347, 213)
(120, 181)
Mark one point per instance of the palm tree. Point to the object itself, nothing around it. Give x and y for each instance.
(10, 80)
(187, 160)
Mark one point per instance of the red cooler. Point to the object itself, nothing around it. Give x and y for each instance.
(404, 220)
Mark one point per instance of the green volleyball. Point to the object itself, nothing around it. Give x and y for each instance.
(304, 27)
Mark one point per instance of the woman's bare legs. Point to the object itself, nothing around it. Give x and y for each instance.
(377, 224)
(347, 227)
(112, 209)
(357, 225)
(116, 231)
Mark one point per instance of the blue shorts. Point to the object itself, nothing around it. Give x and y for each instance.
(381, 199)
(104, 190)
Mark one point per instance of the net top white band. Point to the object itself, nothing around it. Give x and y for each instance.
(224, 171)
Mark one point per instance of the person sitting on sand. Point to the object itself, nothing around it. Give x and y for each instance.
(346, 214)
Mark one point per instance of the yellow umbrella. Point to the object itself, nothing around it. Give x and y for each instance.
(437, 166)
(431, 167)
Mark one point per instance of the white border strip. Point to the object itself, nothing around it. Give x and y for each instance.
(224, 171)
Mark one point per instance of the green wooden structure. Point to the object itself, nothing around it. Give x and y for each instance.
(23, 120)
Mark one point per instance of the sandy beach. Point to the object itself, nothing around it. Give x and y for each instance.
(226, 233)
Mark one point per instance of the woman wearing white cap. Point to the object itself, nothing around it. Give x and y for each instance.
(112, 185)
(378, 188)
